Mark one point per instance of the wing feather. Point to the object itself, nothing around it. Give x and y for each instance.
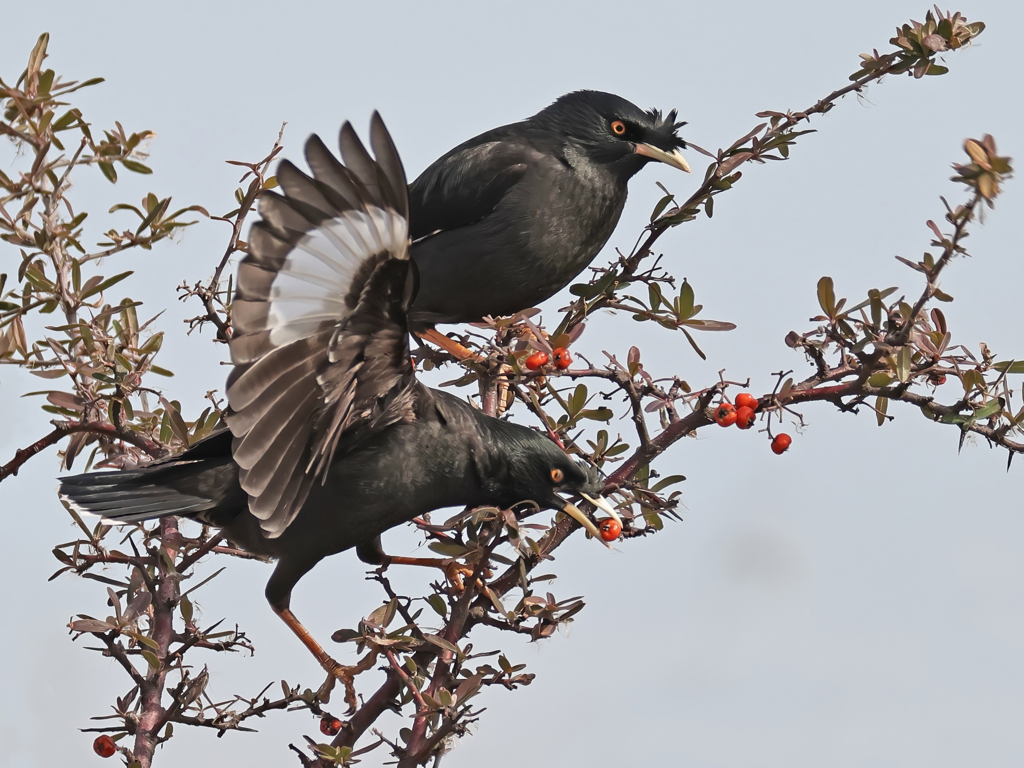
(320, 351)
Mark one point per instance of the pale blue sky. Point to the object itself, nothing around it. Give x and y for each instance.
(857, 602)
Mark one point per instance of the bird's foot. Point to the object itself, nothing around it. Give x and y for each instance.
(449, 345)
(337, 671)
(454, 571)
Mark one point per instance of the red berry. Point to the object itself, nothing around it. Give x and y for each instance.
(610, 528)
(537, 360)
(725, 414)
(745, 417)
(781, 442)
(746, 399)
(562, 358)
(104, 746)
(330, 725)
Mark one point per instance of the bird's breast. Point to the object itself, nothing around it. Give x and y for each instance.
(576, 221)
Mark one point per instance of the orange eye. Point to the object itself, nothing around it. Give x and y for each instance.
(557, 475)
(618, 127)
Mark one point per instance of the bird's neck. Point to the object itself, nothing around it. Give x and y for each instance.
(596, 170)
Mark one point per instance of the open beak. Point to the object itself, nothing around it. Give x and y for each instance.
(574, 512)
(674, 158)
(603, 504)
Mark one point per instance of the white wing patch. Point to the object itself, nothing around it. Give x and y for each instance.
(310, 287)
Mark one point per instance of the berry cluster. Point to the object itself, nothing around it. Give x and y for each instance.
(561, 358)
(743, 415)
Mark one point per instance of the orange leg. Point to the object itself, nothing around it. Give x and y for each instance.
(450, 346)
(334, 669)
(453, 570)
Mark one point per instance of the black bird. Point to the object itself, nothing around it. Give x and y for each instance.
(331, 439)
(509, 218)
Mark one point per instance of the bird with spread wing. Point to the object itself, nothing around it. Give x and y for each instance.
(331, 439)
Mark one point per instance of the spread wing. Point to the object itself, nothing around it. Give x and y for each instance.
(320, 349)
(466, 184)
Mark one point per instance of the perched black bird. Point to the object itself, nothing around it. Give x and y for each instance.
(509, 218)
(331, 439)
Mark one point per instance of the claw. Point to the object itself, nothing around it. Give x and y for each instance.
(454, 571)
(335, 672)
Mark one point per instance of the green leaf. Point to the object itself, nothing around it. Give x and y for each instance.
(153, 344)
(665, 482)
(578, 399)
(185, 605)
(438, 604)
(149, 642)
(684, 306)
(64, 121)
(108, 170)
(1010, 366)
(972, 379)
(155, 213)
(174, 420)
(35, 276)
(827, 296)
(654, 296)
(151, 659)
(904, 358)
(991, 408)
(345, 635)
(881, 406)
(106, 284)
(661, 206)
(383, 615)
(448, 550)
(442, 643)
(597, 414)
(134, 165)
(654, 520)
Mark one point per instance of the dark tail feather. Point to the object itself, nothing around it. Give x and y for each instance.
(195, 484)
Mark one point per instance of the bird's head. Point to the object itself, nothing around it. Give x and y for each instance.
(538, 470)
(614, 132)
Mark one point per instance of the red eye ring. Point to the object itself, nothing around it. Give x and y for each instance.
(618, 128)
(557, 475)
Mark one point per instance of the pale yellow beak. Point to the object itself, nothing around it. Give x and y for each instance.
(574, 512)
(674, 158)
(603, 504)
